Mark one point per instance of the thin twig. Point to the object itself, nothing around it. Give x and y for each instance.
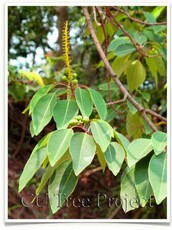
(136, 45)
(137, 20)
(92, 171)
(118, 101)
(154, 114)
(113, 75)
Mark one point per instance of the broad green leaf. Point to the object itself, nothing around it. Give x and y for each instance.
(31, 129)
(102, 133)
(117, 42)
(149, 17)
(61, 185)
(131, 107)
(151, 62)
(136, 75)
(124, 49)
(158, 176)
(122, 140)
(58, 144)
(159, 142)
(84, 101)
(101, 157)
(134, 125)
(118, 67)
(40, 93)
(49, 172)
(146, 96)
(82, 149)
(42, 112)
(142, 182)
(128, 193)
(114, 156)
(34, 162)
(138, 149)
(139, 38)
(99, 103)
(63, 112)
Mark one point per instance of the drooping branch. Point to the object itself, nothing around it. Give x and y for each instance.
(137, 20)
(113, 75)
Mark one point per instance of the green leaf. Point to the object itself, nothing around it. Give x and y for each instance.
(84, 101)
(134, 125)
(131, 107)
(136, 75)
(139, 38)
(122, 140)
(142, 182)
(156, 12)
(149, 17)
(101, 157)
(146, 96)
(128, 192)
(49, 172)
(117, 67)
(58, 144)
(102, 133)
(124, 49)
(34, 162)
(63, 112)
(82, 149)
(114, 156)
(40, 93)
(104, 87)
(42, 112)
(117, 42)
(151, 62)
(99, 103)
(158, 176)
(61, 186)
(159, 142)
(138, 149)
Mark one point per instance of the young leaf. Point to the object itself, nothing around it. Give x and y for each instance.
(138, 149)
(114, 156)
(99, 103)
(158, 176)
(82, 149)
(40, 93)
(136, 75)
(63, 112)
(42, 112)
(128, 194)
(34, 162)
(142, 182)
(49, 172)
(84, 102)
(58, 144)
(62, 184)
(102, 133)
(159, 142)
(101, 157)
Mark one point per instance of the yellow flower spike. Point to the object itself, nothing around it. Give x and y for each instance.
(66, 51)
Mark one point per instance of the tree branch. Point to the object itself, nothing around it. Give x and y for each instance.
(113, 75)
(137, 20)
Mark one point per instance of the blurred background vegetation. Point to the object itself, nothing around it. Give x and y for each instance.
(35, 44)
